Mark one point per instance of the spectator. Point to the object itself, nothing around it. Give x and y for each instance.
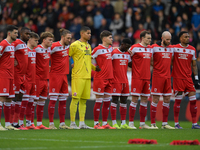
(89, 11)
(173, 14)
(137, 21)
(129, 34)
(57, 11)
(129, 18)
(50, 14)
(157, 7)
(65, 14)
(136, 35)
(134, 4)
(119, 7)
(75, 28)
(149, 25)
(41, 25)
(196, 22)
(89, 22)
(69, 21)
(117, 24)
(147, 8)
(116, 40)
(108, 12)
(186, 21)
(178, 25)
(160, 23)
(97, 22)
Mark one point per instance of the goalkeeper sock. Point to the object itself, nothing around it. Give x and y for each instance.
(73, 109)
(82, 109)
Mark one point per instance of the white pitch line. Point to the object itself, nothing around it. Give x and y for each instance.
(54, 140)
(85, 147)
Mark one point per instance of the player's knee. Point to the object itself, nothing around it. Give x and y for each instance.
(114, 99)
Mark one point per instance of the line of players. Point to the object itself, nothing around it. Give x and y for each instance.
(113, 63)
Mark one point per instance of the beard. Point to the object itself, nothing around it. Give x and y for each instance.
(12, 38)
(165, 43)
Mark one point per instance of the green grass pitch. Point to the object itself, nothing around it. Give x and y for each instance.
(95, 139)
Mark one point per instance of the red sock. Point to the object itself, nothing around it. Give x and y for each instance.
(51, 109)
(193, 108)
(29, 111)
(62, 110)
(7, 111)
(1, 104)
(96, 110)
(23, 109)
(33, 112)
(123, 110)
(165, 111)
(153, 109)
(40, 110)
(105, 110)
(143, 111)
(12, 112)
(113, 111)
(177, 107)
(132, 110)
(17, 111)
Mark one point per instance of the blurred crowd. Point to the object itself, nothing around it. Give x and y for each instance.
(124, 18)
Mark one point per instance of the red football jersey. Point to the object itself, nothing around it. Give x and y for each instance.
(42, 62)
(120, 62)
(31, 70)
(59, 58)
(141, 61)
(162, 57)
(182, 60)
(103, 58)
(7, 54)
(21, 55)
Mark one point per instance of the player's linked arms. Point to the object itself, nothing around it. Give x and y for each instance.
(98, 69)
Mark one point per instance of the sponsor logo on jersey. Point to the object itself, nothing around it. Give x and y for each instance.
(1, 47)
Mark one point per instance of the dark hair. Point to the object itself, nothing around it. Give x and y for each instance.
(84, 28)
(34, 35)
(11, 28)
(105, 33)
(181, 33)
(44, 35)
(127, 41)
(143, 33)
(64, 32)
(24, 29)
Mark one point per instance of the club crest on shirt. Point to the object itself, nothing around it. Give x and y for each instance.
(75, 94)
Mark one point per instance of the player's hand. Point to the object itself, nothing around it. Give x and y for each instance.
(15, 62)
(72, 65)
(130, 52)
(196, 84)
(98, 69)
